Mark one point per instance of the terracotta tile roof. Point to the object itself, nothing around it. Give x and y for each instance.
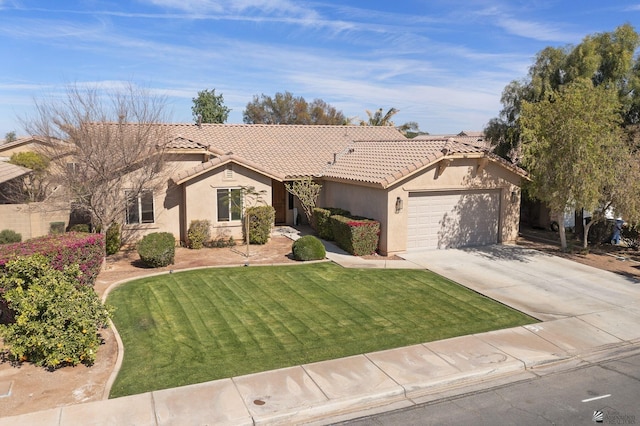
(476, 138)
(286, 150)
(385, 162)
(11, 171)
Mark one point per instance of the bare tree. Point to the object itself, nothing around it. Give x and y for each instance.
(106, 149)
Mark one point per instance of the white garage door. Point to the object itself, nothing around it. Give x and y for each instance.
(453, 219)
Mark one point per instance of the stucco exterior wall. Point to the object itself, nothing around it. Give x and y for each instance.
(200, 195)
(360, 201)
(460, 174)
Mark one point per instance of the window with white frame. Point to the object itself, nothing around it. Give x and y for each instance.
(229, 204)
(139, 207)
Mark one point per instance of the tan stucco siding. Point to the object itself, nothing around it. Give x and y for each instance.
(360, 201)
(200, 195)
(460, 174)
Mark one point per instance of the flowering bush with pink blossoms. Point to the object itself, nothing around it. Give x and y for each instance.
(62, 250)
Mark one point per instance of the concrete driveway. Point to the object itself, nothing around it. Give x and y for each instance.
(543, 286)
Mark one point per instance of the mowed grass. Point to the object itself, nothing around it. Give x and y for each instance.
(208, 324)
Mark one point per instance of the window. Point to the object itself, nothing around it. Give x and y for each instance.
(139, 207)
(229, 204)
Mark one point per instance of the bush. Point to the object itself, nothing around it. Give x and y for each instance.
(356, 235)
(157, 249)
(7, 236)
(308, 248)
(56, 227)
(261, 219)
(85, 250)
(321, 221)
(80, 227)
(199, 233)
(56, 320)
(113, 239)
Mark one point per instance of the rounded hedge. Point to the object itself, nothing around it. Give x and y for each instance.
(308, 248)
(8, 236)
(157, 249)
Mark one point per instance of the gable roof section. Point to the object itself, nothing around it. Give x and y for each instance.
(186, 175)
(11, 171)
(286, 151)
(383, 163)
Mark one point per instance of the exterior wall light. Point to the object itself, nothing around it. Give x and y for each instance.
(398, 205)
(514, 197)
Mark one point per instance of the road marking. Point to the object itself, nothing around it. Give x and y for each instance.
(597, 397)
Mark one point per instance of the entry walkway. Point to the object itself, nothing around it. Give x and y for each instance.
(588, 315)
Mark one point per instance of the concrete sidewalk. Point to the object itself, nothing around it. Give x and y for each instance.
(600, 322)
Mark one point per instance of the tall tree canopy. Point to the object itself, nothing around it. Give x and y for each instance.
(605, 59)
(209, 107)
(285, 108)
(572, 146)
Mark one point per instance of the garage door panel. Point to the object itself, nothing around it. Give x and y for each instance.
(455, 219)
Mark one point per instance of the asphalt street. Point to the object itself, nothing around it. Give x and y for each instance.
(603, 393)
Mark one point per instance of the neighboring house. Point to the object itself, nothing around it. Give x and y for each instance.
(9, 174)
(22, 144)
(426, 193)
(33, 219)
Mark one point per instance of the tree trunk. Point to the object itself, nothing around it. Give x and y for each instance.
(561, 231)
(585, 233)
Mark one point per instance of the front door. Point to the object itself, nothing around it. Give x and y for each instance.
(279, 201)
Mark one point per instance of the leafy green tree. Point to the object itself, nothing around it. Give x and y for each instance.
(606, 59)
(209, 107)
(574, 148)
(285, 108)
(10, 137)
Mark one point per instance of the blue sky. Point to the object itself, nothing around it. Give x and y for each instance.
(442, 63)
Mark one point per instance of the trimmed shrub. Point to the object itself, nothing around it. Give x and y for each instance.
(356, 235)
(85, 250)
(80, 227)
(308, 248)
(8, 236)
(157, 249)
(261, 219)
(321, 222)
(113, 239)
(56, 320)
(199, 233)
(56, 227)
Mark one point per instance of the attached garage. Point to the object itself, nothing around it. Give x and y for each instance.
(439, 220)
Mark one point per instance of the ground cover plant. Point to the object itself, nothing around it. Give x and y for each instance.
(208, 324)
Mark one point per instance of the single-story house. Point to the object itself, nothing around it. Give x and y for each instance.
(425, 193)
(436, 192)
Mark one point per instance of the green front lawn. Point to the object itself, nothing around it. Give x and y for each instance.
(208, 324)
